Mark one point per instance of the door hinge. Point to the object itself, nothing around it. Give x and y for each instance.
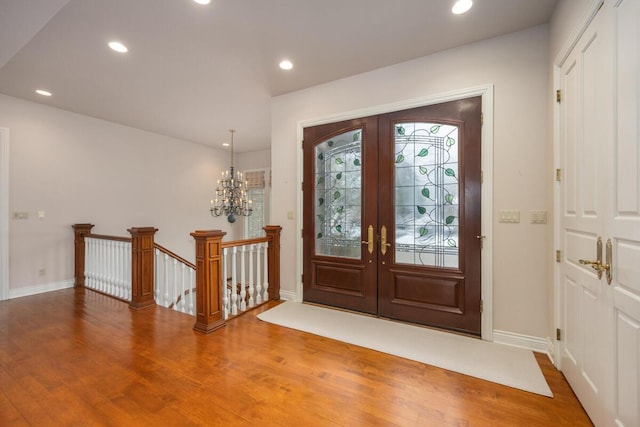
(558, 96)
(302, 144)
(481, 119)
(481, 177)
(302, 278)
(558, 256)
(558, 175)
(302, 233)
(302, 186)
(481, 306)
(558, 334)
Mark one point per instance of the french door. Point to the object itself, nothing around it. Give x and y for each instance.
(599, 215)
(392, 215)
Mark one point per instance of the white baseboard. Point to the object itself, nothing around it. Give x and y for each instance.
(537, 344)
(38, 289)
(288, 295)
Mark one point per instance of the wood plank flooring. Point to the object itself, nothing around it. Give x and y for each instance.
(78, 358)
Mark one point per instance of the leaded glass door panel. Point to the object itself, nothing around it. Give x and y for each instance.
(340, 199)
(392, 215)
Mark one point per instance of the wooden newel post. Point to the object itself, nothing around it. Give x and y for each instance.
(273, 233)
(80, 230)
(209, 310)
(142, 267)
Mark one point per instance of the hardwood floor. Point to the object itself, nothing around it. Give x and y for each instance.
(80, 358)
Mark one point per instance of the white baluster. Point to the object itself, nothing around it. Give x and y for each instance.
(109, 289)
(265, 281)
(252, 282)
(225, 290)
(116, 269)
(127, 263)
(101, 263)
(243, 292)
(88, 261)
(123, 269)
(234, 293)
(158, 279)
(166, 281)
(174, 297)
(192, 292)
(259, 289)
(182, 288)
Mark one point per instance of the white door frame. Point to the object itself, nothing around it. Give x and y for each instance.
(562, 56)
(4, 213)
(486, 92)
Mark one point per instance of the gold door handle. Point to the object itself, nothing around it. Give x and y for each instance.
(370, 241)
(597, 265)
(383, 240)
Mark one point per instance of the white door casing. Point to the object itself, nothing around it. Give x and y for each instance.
(599, 196)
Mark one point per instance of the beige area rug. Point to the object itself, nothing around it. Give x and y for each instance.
(502, 364)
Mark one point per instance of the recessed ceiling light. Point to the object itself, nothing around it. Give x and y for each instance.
(461, 6)
(43, 92)
(224, 144)
(286, 65)
(202, 1)
(118, 47)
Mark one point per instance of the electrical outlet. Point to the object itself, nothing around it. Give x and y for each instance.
(42, 272)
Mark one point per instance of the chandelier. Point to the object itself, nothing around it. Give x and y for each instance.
(231, 196)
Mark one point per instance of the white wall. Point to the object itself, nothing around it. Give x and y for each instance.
(517, 65)
(80, 169)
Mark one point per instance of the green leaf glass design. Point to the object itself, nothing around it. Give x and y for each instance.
(426, 211)
(338, 188)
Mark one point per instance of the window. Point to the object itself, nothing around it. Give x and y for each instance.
(258, 191)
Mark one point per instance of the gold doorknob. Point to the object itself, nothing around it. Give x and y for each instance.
(596, 265)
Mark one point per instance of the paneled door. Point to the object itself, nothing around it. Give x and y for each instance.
(392, 215)
(599, 213)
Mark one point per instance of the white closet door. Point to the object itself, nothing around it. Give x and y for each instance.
(599, 199)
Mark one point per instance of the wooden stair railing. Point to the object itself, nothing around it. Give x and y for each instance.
(211, 285)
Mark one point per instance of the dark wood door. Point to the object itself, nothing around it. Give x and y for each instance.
(340, 204)
(429, 204)
(418, 191)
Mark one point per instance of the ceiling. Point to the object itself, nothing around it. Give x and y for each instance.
(193, 71)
